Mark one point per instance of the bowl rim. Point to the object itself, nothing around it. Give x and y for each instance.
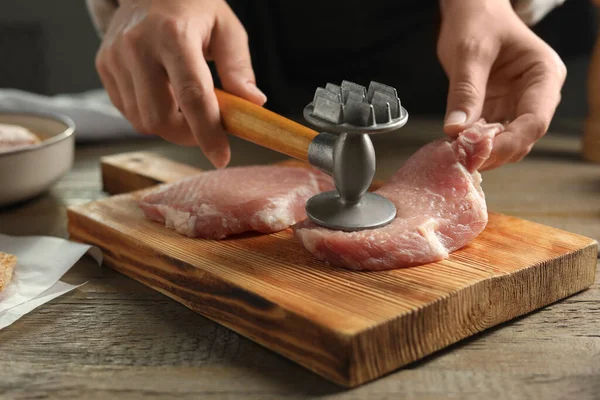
(68, 132)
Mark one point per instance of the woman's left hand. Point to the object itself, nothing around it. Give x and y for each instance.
(499, 70)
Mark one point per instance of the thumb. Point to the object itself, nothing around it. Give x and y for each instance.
(466, 93)
(229, 47)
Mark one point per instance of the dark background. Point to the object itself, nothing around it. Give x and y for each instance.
(48, 47)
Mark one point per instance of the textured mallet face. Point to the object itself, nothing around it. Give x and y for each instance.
(354, 104)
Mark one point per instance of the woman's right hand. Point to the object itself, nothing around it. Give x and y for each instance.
(153, 63)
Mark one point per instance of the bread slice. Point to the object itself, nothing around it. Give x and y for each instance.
(7, 266)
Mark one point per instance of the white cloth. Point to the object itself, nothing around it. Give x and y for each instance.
(95, 117)
(533, 11)
(41, 262)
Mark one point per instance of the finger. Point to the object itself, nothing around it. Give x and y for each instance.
(193, 86)
(468, 82)
(127, 90)
(124, 83)
(158, 110)
(509, 145)
(541, 96)
(504, 149)
(109, 82)
(535, 111)
(229, 48)
(501, 109)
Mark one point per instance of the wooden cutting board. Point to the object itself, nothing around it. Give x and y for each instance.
(350, 327)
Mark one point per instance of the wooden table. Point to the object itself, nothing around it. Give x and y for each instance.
(114, 338)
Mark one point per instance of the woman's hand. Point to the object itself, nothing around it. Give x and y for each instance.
(499, 70)
(153, 62)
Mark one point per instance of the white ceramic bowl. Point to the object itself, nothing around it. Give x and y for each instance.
(30, 171)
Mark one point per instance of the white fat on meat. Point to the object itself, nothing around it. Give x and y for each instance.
(219, 203)
(440, 208)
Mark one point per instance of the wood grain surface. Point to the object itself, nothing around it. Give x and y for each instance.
(115, 338)
(349, 327)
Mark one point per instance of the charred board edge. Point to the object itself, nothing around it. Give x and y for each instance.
(317, 348)
(493, 301)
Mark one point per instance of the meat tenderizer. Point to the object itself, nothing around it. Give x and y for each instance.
(347, 114)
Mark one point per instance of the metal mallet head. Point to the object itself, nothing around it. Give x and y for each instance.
(349, 113)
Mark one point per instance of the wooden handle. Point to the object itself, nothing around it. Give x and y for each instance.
(591, 134)
(263, 127)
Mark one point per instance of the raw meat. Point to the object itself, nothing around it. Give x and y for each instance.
(440, 208)
(219, 203)
(13, 137)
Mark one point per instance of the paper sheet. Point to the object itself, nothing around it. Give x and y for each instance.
(41, 262)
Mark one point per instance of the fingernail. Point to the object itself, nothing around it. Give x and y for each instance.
(456, 118)
(256, 91)
(219, 158)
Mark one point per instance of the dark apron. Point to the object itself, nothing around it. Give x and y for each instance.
(297, 46)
